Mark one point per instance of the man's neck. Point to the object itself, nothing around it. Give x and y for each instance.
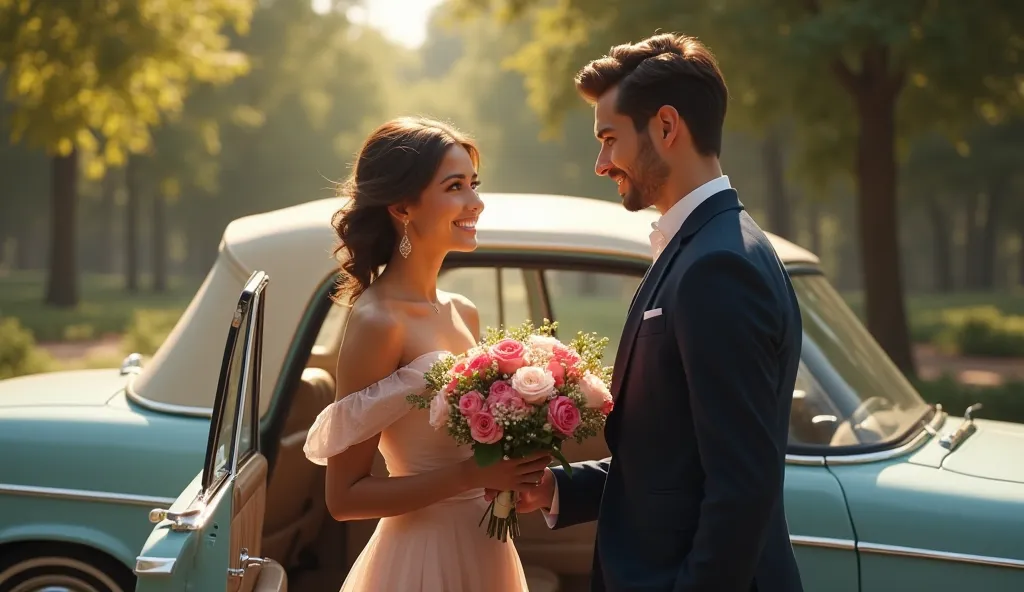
(686, 179)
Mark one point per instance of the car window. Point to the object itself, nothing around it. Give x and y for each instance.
(225, 428)
(848, 392)
(480, 285)
(330, 330)
(242, 338)
(592, 302)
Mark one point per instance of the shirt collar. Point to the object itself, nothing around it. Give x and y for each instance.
(669, 224)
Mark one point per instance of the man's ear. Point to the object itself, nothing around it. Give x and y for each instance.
(668, 123)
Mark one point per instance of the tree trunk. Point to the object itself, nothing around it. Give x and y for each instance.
(1020, 251)
(988, 243)
(159, 250)
(108, 213)
(131, 226)
(877, 215)
(780, 216)
(814, 225)
(972, 243)
(942, 248)
(62, 283)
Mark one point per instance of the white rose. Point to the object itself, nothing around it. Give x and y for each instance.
(544, 343)
(594, 390)
(533, 384)
(439, 410)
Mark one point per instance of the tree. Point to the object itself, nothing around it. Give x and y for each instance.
(91, 78)
(843, 70)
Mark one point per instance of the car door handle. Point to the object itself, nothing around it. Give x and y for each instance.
(181, 521)
(245, 562)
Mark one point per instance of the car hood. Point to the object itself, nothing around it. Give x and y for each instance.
(991, 452)
(77, 388)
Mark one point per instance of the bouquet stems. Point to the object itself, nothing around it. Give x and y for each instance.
(504, 521)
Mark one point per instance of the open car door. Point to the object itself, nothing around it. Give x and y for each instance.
(209, 539)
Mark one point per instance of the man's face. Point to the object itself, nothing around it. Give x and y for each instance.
(627, 157)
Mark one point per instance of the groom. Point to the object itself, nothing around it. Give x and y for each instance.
(691, 499)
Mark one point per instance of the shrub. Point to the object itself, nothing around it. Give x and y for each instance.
(148, 329)
(981, 331)
(18, 352)
(1004, 403)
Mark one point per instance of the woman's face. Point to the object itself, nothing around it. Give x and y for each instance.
(446, 214)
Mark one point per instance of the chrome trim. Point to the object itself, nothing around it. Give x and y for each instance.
(807, 460)
(199, 510)
(163, 566)
(952, 441)
(878, 549)
(85, 495)
(132, 364)
(171, 408)
(181, 520)
(823, 542)
(913, 444)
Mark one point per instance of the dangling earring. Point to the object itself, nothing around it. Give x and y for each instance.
(405, 247)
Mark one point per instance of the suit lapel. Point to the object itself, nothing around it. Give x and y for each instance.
(716, 204)
(636, 310)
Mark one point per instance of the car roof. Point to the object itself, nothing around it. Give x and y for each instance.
(509, 221)
(294, 247)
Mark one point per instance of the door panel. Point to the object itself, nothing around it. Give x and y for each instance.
(250, 497)
(211, 537)
(820, 528)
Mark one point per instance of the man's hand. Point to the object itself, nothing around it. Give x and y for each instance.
(533, 498)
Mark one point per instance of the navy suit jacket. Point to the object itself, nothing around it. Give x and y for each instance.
(691, 499)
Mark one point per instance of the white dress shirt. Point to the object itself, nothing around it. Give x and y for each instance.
(662, 232)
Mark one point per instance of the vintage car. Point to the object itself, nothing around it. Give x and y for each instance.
(112, 479)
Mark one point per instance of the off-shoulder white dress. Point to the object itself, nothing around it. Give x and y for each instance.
(440, 548)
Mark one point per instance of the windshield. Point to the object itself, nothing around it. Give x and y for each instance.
(848, 392)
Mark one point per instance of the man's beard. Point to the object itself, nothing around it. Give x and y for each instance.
(649, 175)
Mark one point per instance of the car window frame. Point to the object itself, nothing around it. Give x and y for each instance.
(246, 329)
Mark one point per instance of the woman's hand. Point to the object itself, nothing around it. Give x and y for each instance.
(515, 474)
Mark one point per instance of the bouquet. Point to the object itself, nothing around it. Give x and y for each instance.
(518, 392)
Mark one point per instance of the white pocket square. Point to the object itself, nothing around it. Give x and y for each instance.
(649, 314)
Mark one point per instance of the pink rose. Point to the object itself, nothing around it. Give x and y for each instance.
(606, 409)
(471, 403)
(504, 396)
(595, 391)
(479, 363)
(557, 372)
(533, 384)
(458, 369)
(509, 354)
(484, 429)
(563, 415)
(500, 388)
(565, 355)
(452, 385)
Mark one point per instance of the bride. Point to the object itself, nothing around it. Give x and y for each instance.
(412, 199)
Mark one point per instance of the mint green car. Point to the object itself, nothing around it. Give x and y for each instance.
(113, 480)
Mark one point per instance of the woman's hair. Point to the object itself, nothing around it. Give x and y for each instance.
(395, 165)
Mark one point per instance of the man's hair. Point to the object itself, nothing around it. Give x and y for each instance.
(667, 69)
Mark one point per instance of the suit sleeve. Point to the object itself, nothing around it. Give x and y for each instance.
(579, 496)
(727, 329)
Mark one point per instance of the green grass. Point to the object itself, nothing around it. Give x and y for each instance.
(104, 308)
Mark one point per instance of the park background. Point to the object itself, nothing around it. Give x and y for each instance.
(886, 137)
